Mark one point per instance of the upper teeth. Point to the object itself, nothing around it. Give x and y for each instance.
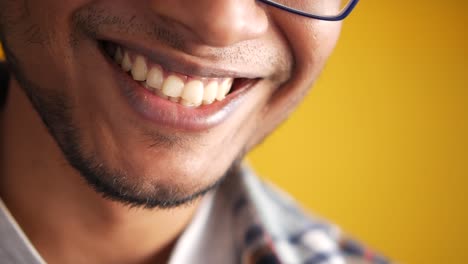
(189, 91)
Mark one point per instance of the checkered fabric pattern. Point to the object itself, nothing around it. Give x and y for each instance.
(271, 228)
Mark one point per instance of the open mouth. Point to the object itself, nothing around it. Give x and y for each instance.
(187, 90)
(175, 93)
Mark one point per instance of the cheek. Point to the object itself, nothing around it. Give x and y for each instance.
(39, 36)
(310, 42)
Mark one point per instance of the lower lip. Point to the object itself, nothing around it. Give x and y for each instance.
(165, 113)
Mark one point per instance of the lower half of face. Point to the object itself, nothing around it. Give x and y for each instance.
(153, 108)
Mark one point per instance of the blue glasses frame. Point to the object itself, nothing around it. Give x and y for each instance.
(339, 17)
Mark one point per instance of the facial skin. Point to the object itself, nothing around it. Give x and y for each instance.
(57, 61)
(54, 53)
(61, 80)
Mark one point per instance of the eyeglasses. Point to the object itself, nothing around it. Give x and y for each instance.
(329, 10)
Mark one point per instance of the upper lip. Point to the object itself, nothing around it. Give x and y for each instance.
(180, 62)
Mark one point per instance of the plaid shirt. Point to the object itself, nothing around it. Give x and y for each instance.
(244, 221)
(250, 221)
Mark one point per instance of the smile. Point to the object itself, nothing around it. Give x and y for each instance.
(175, 99)
(189, 91)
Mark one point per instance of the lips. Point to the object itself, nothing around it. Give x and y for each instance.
(172, 99)
(190, 91)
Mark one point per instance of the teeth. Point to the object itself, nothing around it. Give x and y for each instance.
(193, 93)
(160, 94)
(170, 86)
(173, 86)
(211, 91)
(139, 69)
(223, 89)
(174, 99)
(118, 57)
(126, 63)
(155, 78)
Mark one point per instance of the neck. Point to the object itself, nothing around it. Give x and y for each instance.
(63, 217)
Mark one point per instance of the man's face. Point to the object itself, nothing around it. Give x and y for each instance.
(126, 136)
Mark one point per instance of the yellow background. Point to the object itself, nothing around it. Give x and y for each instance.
(380, 145)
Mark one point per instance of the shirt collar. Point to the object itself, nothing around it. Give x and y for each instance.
(245, 220)
(15, 247)
(248, 221)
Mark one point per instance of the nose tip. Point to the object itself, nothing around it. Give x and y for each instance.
(217, 22)
(227, 24)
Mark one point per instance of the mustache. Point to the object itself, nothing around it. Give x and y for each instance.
(134, 23)
(94, 20)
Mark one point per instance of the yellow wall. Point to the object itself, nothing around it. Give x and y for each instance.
(380, 145)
